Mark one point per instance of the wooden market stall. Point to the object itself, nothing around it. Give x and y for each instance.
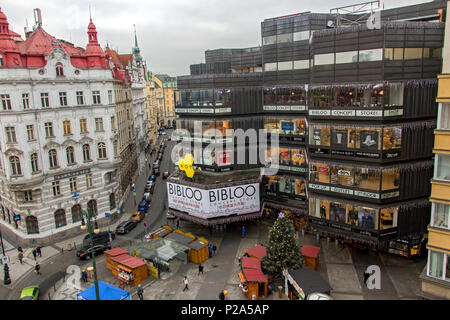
(257, 252)
(130, 270)
(161, 232)
(110, 265)
(310, 256)
(255, 283)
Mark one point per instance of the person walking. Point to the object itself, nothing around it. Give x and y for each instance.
(244, 231)
(38, 251)
(34, 253)
(140, 292)
(20, 257)
(37, 268)
(210, 248)
(200, 269)
(186, 283)
(221, 295)
(19, 250)
(178, 223)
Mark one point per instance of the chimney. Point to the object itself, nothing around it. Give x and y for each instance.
(37, 17)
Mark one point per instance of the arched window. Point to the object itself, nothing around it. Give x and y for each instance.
(60, 218)
(86, 153)
(92, 206)
(32, 224)
(16, 170)
(59, 70)
(52, 158)
(101, 150)
(112, 201)
(34, 162)
(70, 155)
(76, 213)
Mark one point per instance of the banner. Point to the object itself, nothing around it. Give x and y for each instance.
(212, 203)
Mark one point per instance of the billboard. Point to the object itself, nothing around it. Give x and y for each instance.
(213, 203)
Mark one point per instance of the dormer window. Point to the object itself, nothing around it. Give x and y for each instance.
(59, 70)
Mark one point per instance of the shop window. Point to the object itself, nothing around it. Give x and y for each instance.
(271, 125)
(338, 212)
(319, 135)
(299, 188)
(270, 66)
(298, 158)
(391, 179)
(224, 127)
(208, 128)
(392, 138)
(323, 59)
(301, 35)
(298, 97)
(197, 155)
(269, 40)
(301, 64)
(319, 172)
(443, 167)
(367, 179)
(352, 215)
(286, 185)
(370, 55)
(320, 97)
(285, 37)
(367, 218)
(342, 176)
(345, 97)
(394, 95)
(283, 96)
(287, 126)
(272, 185)
(284, 156)
(223, 98)
(346, 57)
(441, 213)
(224, 158)
(343, 137)
(388, 218)
(413, 53)
(368, 139)
(206, 98)
(269, 96)
(393, 54)
(272, 155)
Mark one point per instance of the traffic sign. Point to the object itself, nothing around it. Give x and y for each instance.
(107, 215)
(5, 259)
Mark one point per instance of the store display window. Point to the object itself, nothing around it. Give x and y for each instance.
(272, 184)
(367, 218)
(223, 98)
(319, 208)
(319, 135)
(319, 172)
(224, 158)
(298, 95)
(342, 176)
(368, 139)
(225, 127)
(271, 125)
(388, 218)
(343, 137)
(367, 179)
(344, 97)
(284, 156)
(269, 95)
(298, 158)
(394, 95)
(391, 179)
(338, 212)
(272, 155)
(352, 215)
(392, 138)
(321, 97)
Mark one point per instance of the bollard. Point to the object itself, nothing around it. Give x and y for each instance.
(280, 292)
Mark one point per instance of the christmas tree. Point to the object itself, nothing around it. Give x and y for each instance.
(282, 250)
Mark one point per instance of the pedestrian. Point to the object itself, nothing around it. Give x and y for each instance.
(221, 295)
(186, 283)
(210, 248)
(37, 268)
(34, 253)
(84, 276)
(244, 231)
(140, 292)
(214, 248)
(178, 223)
(20, 257)
(200, 269)
(19, 249)
(38, 251)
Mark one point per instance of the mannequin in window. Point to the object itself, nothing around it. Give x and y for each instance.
(323, 212)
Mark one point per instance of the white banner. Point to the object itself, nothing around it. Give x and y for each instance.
(214, 203)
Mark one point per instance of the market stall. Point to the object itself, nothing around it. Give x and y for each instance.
(106, 292)
(130, 270)
(198, 250)
(310, 256)
(254, 283)
(110, 265)
(257, 252)
(304, 281)
(160, 233)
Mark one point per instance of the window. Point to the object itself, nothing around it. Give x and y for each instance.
(342, 175)
(99, 124)
(113, 123)
(443, 167)
(112, 201)
(392, 138)
(80, 98)
(70, 155)
(283, 38)
(92, 206)
(32, 224)
(59, 70)
(367, 179)
(89, 183)
(16, 169)
(48, 129)
(6, 101)
(269, 40)
(319, 135)
(55, 188)
(60, 218)
(30, 132)
(10, 135)
(73, 184)
(96, 97)
(63, 99)
(413, 53)
(115, 148)
(370, 55)
(301, 64)
(52, 159)
(388, 218)
(1, 60)
(391, 179)
(285, 65)
(319, 172)
(444, 116)
(44, 100)
(101, 150)
(66, 127)
(441, 213)
(270, 66)
(28, 195)
(110, 97)
(346, 57)
(76, 213)
(321, 59)
(301, 35)
(86, 153)
(436, 263)
(34, 163)
(26, 100)
(83, 126)
(393, 54)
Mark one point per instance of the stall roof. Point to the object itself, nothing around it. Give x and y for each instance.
(309, 251)
(160, 248)
(180, 238)
(253, 275)
(106, 292)
(251, 263)
(257, 251)
(116, 252)
(129, 261)
(197, 245)
(162, 232)
(310, 280)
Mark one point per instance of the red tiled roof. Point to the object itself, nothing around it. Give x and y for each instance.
(125, 59)
(129, 261)
(116, 252)
(310, 251)
(258, 252)
(253, 275)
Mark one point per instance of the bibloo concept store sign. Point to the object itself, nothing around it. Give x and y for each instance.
(214, 203)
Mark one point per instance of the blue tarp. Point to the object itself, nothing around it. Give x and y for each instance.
(106, 292)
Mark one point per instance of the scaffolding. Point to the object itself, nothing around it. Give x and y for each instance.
(354, 14)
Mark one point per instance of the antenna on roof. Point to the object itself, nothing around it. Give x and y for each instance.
(37, 18)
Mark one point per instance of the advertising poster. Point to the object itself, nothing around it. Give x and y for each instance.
(369, 139)
(339, 138)
(337, 213)
(367, 218)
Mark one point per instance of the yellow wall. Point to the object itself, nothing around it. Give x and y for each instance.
(442, 141)
(440, 190)
(439, 240)
(443, 88)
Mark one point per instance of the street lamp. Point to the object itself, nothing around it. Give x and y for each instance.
(91, 229)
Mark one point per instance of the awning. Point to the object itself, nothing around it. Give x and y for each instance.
(129, 261)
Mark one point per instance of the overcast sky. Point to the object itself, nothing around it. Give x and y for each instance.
(172, 34)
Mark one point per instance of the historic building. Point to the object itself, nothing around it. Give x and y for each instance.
(56, 137)
(354, 108)
(168, 85)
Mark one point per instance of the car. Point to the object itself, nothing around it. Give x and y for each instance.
(165, 175)
(156, 170)
(86, 252)
(137, 216)
(149, 189)
(163, 133)
(156, 164)
(125, 227)
(143, 206)
(99, 238)
(30, 293)
(160, 156)
(151, 177)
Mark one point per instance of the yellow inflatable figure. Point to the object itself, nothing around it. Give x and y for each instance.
(185, 164)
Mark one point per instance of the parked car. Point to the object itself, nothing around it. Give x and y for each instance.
(160, 156)
(125, 227)
(137, 216)
(30, 293)
(155, 164)
(147, 197)
(151, 177)
(143, 206)
(86, 252)
(100, 238)
(165, 175)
